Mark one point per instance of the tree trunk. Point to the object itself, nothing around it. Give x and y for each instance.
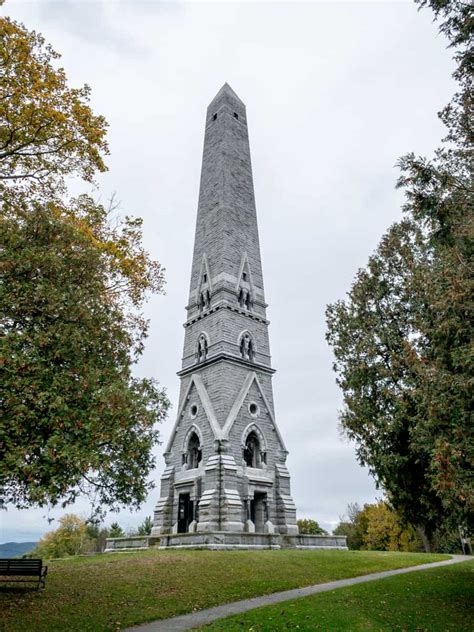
(424, 538)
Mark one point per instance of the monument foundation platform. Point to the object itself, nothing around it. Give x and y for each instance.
(222, 540)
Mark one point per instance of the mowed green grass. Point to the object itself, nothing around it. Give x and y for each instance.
(113, 591)
(437, 599)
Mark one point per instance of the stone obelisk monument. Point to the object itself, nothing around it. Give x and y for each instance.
(226, 483)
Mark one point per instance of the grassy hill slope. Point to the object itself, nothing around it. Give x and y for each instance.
(113, 591)
(438, 600)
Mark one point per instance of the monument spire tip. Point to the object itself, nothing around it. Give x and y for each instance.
(229, 92)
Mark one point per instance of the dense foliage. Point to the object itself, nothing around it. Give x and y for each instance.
(377, 527)
(70, 538)
(48, 129)
(354, 526)
(74, 536)
(310, 527)
(74, 419)
(402, 337)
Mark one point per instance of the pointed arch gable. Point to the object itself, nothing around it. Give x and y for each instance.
(193, 429)
(196, 380)
(204, 269)
(245, 267)
(238, 403)
(254, 427)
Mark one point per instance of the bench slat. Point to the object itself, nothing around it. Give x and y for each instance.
(12, 567)
(21, 574)
(16, 567)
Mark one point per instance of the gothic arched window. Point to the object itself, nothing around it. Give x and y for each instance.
(247, 347)
(194, 452)
(202, 348)
(252, 451)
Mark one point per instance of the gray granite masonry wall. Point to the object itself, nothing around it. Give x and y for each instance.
(225, 459)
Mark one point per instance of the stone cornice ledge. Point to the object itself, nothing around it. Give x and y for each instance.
(230, 358)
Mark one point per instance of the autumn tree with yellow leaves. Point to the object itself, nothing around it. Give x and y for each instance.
(74, 418)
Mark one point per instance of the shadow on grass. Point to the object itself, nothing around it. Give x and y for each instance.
(15, 590)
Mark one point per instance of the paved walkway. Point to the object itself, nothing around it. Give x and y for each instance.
(196, 619)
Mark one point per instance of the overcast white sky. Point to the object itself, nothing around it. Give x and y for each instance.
(335, 93)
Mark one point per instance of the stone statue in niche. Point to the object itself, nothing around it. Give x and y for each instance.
(204, 300)
(202, 348)
(245, 300)
(194, 455)
(252, 456)
(246, 348)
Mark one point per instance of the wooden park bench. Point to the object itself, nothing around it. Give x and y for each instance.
(23, 568)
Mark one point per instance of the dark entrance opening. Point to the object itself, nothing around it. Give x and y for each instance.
(258, 511)
(185, 513)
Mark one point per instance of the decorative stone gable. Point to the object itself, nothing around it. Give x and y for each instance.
(204, 288)
(245, 290)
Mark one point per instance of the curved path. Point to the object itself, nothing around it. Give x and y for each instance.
(196, 619)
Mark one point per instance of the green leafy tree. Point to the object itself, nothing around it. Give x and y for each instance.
(73, 418)
(146, 526)
(377, 527)
(70, 538)
(97, 536)
(310, 527)
(116, 531)
(375, 339)
(385, 531)
(353, 526)
(347, 529)
(401, 338)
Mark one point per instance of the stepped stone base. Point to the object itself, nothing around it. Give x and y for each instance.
(216, 540)
(130, 543)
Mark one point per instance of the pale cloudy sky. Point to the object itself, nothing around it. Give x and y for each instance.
(335, 93)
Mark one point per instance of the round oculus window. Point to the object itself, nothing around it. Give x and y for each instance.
(253, 409)
(193, 411)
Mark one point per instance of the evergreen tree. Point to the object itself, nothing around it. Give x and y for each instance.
(146, 526)
(116, 531)
(401, 339)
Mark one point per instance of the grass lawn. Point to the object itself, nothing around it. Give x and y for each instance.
(113, 591)
(438, 599)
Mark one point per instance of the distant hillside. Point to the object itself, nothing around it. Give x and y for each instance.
(15, 549)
